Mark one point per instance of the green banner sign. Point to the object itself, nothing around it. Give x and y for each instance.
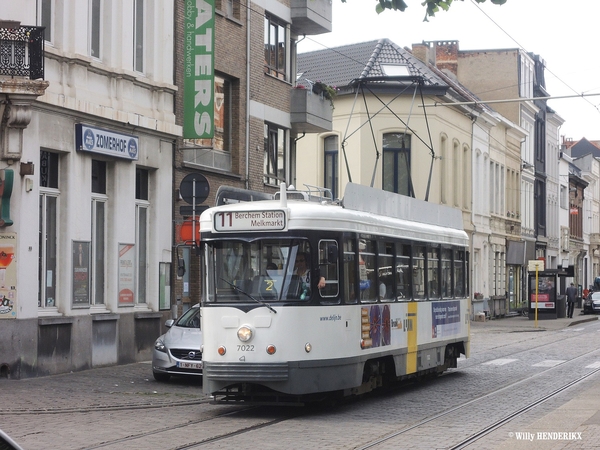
(198, 73)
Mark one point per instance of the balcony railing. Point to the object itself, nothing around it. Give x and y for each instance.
(21, 51)
(209, 157)
(310, 112)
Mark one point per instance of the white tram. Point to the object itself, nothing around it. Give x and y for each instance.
(385, 297)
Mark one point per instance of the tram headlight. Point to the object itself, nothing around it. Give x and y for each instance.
(244, 333)
(307, 347)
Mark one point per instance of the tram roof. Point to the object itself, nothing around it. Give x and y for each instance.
(362, 209)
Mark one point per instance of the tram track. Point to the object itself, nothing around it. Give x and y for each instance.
(107, 408)
(475, 437)
(135, 437)
(505, 348)
(197, 425)
(197, 443)
(287, 414)
(489, 428)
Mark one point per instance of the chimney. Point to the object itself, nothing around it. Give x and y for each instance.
(421, 51)
(446, 55)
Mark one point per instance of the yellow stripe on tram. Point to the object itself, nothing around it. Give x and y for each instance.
(411, 355)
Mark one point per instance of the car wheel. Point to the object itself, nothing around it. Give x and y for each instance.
(158, 376)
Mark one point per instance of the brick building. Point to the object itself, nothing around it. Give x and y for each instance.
(256, 122)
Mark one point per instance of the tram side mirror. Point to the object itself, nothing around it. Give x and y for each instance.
(180, 267)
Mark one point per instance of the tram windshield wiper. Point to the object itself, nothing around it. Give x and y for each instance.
(248, 295)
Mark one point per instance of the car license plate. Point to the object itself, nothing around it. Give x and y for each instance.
(189, 365)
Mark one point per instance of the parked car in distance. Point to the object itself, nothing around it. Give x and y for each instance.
(591, 304)
(178, 351)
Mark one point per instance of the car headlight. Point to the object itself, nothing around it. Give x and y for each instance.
(160, 345)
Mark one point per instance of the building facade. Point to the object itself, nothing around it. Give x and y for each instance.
(258, 115)
(86, 168)
(461, 153)
(513, 83)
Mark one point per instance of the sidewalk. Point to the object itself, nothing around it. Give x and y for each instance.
(520, 323)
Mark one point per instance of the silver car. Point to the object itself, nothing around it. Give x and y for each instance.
(178, 351)
(591, 305)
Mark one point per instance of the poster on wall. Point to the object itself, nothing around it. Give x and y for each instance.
(8, 276)
(81, 273)
(126, 274)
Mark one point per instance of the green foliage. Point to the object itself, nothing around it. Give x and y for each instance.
(432, 6)
(328, 92)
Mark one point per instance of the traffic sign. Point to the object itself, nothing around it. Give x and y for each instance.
(194, 188)
(535, 265)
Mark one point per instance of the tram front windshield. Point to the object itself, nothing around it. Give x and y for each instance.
(263, 269)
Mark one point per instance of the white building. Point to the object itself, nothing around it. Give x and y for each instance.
(91, 169)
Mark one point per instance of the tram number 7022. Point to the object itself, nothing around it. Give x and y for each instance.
(245, 348)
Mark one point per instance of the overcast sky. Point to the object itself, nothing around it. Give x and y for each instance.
(563, 32)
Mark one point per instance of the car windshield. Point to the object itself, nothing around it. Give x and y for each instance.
(190, 319)
(261, 270)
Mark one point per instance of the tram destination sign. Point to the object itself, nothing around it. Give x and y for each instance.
(250, 220)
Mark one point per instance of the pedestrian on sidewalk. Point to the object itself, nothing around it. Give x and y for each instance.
(571, 294)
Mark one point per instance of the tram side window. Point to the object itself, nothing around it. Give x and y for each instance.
(446, 273)
(350, 270)
(459, 273)
(418, 272)
(385, 270)
(328, 267)
(433, 268)
(403, 285)
(366, 268)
